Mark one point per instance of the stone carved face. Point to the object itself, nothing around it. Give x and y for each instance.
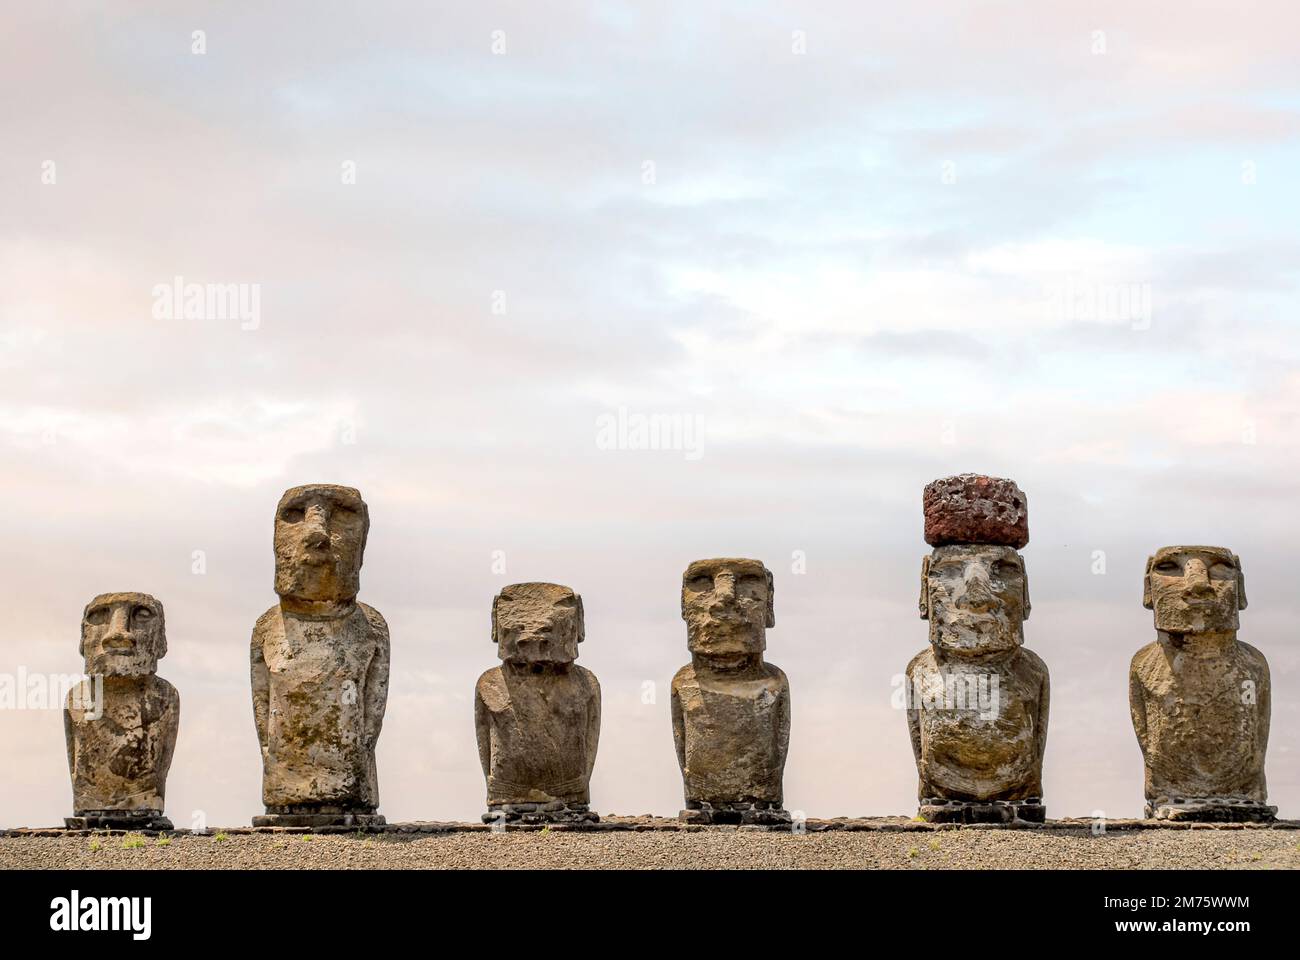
(727, 606)
(1194, 589)
(122, 635)
(536, 623)
(976, 598)
(320, 536)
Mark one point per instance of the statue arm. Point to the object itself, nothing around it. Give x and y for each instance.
(261, 678)
(913, 711)
(70, 739)
(376, 692)
(483, 731)
(171, 726)
(783, 721)
(593, 724)
(1137, 708)
(679, 728)
(1264, 703)
(1044, 702)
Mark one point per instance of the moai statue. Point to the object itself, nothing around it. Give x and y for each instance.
(978, 700)
(537, 716)
(319, 667)
(121, 723)
(730, 708)
(1198, 695)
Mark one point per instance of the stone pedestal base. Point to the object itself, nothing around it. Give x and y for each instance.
(1211, 810)
(553, 812)
(118, 820)
(938, 810)
(746, 814)
(318, 817)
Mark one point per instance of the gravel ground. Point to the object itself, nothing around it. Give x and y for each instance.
(952, 849)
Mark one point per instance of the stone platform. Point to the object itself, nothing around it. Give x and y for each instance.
(612, 823)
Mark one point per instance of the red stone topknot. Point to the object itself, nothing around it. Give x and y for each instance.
(972, 508)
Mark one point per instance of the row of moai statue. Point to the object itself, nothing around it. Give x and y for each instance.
(977, 705)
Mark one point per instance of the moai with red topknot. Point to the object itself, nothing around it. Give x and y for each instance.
(977, 700)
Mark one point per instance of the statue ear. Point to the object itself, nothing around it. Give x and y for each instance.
(1146, 582)
(161, 627)
(496, 640)
(771, 608)
(924, 605)
(1241, 583)
(1024, 578)
(582, 623)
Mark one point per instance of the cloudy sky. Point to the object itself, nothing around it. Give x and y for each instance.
(856, 246)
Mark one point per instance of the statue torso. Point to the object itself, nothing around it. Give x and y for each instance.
(119, 760)
(1205, 721)
(316, 726)
(985, 747)
(539, 729)
(735, 734)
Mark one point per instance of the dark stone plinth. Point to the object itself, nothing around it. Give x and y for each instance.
(326, 817)
(741, 814)
(553, 812)
(1211, 810)
(938, 810)
(118, 820)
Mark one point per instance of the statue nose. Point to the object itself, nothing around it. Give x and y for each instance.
(1198, 577)
(979, 595)
(118, 635)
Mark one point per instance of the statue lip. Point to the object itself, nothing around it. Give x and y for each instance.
(726, 615)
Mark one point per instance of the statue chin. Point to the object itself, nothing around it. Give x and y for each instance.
(964, 640)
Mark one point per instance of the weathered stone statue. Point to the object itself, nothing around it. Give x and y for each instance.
(121, 724)
(537, 716)
(978, 700)
(1198, 695)
(319, 667)
(731, 709)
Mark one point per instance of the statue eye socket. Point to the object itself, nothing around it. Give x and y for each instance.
(98, 616)
(1004, 568)
(1167, 566)
(143, 613)
(700, 584)
(1221, 571)
(292, 514)
(752, 585)
(346, 510)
